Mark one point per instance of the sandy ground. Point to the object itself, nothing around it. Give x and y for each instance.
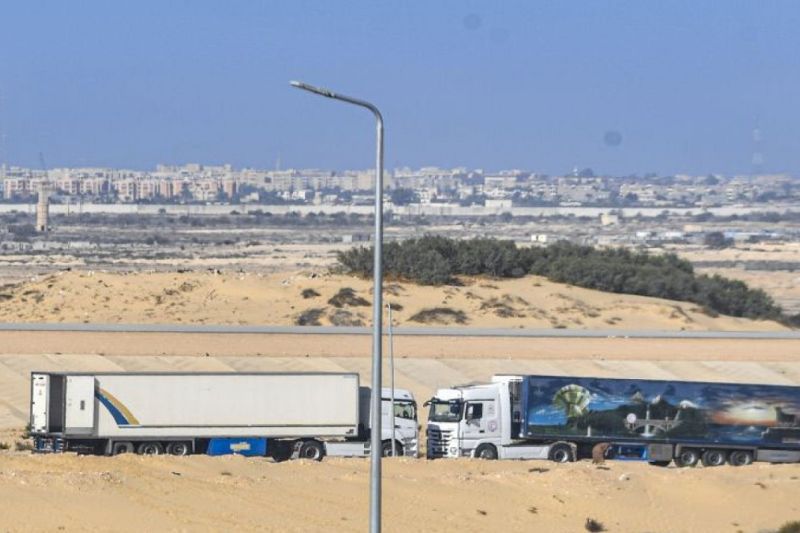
(201, 493)
(129, 493)
(315, 299)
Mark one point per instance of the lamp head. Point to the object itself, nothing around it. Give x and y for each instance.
(312, 89)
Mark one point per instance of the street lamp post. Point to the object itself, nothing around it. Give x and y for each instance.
(391, 379)
(376, 448)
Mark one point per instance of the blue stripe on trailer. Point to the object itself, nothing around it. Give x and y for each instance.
(119, 418)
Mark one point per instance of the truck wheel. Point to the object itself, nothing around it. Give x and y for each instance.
(150, 448)
(121, 447)
(687, 457)
(486, 451)
(713, 457)
(281, 451)
(561, 453)
(179, 448)
(740, 458)
(312, 449)
(386, 448)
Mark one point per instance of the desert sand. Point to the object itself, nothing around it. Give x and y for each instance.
(321, 298)
(128, 493)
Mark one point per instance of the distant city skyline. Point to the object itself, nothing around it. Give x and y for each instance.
(628, 87)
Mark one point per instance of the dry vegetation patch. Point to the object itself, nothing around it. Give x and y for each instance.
(440, 315)
(348, 297)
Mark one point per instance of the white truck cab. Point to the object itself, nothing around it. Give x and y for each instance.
(479, 421)
(406, 428)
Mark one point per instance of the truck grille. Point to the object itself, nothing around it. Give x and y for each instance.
(438, 442)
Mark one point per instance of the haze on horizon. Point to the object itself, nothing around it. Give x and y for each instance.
(622, 87)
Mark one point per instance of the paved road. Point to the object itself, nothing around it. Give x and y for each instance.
(407, 331)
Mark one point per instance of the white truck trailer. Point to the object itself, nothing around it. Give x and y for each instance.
(281, 415)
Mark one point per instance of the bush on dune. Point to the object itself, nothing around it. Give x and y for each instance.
(436, 260)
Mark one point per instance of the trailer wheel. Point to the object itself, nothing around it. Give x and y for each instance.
(561, 452)
(179, 448)
(486, 451)
(312, 449)
(150, 448)
(713, 457)
(687, 457)
(740, 458)
(121, 447)
(386, 449)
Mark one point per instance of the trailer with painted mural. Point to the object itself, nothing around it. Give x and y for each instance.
(281, 415)
(566, 418)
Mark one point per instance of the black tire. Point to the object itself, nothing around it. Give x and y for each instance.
(179, 448)
(119, 448)
(687, 457)
(312, 449)
(561, 453)
(150, 448)
(486, 451)
(740, 458)
(714, 457)
(281, 451)
(386, 449)
(660, 463)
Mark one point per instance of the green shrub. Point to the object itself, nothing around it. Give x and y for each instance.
(435, 260)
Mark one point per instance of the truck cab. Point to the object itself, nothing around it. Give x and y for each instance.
(406, 428)
(479, 421)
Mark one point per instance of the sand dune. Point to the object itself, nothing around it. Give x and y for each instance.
(328, 299)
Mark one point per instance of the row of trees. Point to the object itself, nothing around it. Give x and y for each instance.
(435, 260)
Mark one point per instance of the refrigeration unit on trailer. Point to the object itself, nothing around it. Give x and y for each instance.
(278, 414)
(563, 418)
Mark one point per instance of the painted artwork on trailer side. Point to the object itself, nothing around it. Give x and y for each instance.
(662, 410)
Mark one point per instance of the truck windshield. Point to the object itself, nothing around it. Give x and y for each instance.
(445, 411)
(407, 410)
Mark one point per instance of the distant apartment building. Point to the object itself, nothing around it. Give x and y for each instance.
(229, 188)
(17, 188)
(127, 190)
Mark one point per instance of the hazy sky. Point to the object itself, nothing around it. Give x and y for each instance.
(537, 85)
